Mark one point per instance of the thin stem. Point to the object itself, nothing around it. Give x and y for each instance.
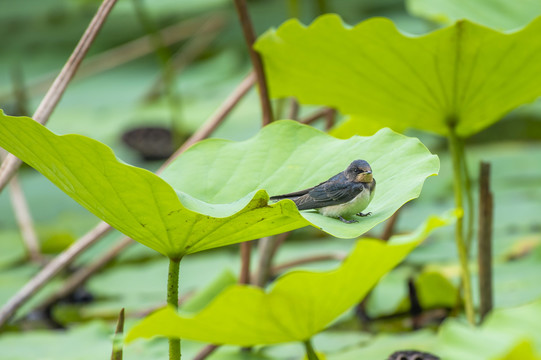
(329, 119)
(249, 36)
(389, 226)
(469, 198)
(307, 260)
(415, 306)
(310, 353)
(264, 247)
(24, 219)
(117, 342)
(18, 199)
(484, 253)
(58, 87)
(454, 147)
(245, 255)
(205, 352)
(318, 114)
(172, 299)
(293, 109)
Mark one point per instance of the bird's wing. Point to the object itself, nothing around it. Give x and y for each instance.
(327, 194)
(296, 194)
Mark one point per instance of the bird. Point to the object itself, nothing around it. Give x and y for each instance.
(346, 194)
(412, 355)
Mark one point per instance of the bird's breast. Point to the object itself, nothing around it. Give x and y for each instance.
(350, 208)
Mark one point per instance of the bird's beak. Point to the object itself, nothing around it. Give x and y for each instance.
(368, 172)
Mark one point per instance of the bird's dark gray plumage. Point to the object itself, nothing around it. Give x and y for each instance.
(344, 195)
(412, 355)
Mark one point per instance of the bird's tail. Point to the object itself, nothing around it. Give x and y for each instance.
(291, 196)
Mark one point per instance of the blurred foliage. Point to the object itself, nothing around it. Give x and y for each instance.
(496, 14)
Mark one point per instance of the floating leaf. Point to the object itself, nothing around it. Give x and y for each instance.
(219, 195)
(465, 75)
(497, 14)
(300, 304)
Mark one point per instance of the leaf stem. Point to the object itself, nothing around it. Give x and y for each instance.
(257, 63)
(310, 353)
(454, 147)
(469, 198)
(172, 299)
(245, 256)
(484, 253)
(117, 341)
(318, 114)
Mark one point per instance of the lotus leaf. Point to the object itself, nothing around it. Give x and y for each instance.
(218, 190)
(465, 76)
(300, 304)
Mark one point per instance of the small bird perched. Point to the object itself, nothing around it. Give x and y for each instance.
(342, 196)
(412, 355)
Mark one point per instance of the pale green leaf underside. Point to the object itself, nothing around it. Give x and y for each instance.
(300, 304)
(217, 190)
(286, 157)
(497, 14)
(135, 201)
(466, 73)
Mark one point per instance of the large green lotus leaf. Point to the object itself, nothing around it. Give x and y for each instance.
(497, 14)
(300, 304)
(465, 75)
(287, 156)
(221, 186)
(136, 201)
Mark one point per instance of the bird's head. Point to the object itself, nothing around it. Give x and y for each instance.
(359, 171)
